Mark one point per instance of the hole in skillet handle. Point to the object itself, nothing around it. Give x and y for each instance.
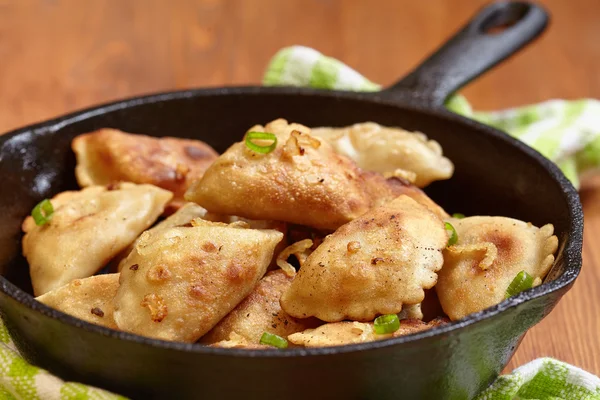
(500, 20)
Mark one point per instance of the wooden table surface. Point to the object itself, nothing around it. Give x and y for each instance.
(58, 56)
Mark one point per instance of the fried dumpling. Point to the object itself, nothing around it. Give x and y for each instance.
(179, 283)
(373, 265)
(352, 332)
(109, 155)
(390, 151)
(190, 211)
(181, 217)
(89, 299)
(88, 228)
(260, 312)
(489, 253)
(302, 181)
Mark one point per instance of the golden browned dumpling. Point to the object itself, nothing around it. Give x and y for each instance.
(303, 181)
(89, 299)
(260, 312)
(373, 265)
(189, 211)
(351, 332)
(183, 216)
(178, 283)
(390, 151)
(489, 253)
(88, 228)
(110, 155)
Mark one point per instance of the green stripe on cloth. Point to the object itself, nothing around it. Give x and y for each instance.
(569, 168)
(324, 74)
(548, 142)
(22, 381)
(544, 379)
(4, 335)
(22, 377)
(5, 395)
(278, 64)
(589, 157)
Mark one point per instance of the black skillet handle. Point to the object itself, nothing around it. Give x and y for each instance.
(472, 51)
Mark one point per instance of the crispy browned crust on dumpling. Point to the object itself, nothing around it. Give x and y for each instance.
(370, 266)
(352, 332)
(179, 283)
(89, 299)
(390, 151)
(489, 253)
(109, 155)
(88, 228)
(302, 181)
(183, 216)
(260, 312)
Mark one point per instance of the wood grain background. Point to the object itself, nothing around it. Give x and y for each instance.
(58, 56)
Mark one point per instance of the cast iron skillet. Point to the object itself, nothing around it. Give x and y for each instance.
(495, 175)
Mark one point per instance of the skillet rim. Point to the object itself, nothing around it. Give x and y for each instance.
(572, 251)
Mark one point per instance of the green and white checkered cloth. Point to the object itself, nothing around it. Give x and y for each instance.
(567, 132)
(20, 380)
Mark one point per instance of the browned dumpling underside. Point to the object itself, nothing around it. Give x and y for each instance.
(302, 181)
(373, 265)
(489, 253)
(352, 332)
(88, 228)
(260, 312)
(178, 283)
(109, 155)
(89, 299)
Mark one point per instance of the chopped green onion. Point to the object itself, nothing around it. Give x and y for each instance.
(42, 212)
(522, 281)
(388, 323)
(458, 215)
(453, 235)
(250, 136)
(270, 339)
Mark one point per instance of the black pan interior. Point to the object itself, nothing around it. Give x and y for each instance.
(495, 175)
